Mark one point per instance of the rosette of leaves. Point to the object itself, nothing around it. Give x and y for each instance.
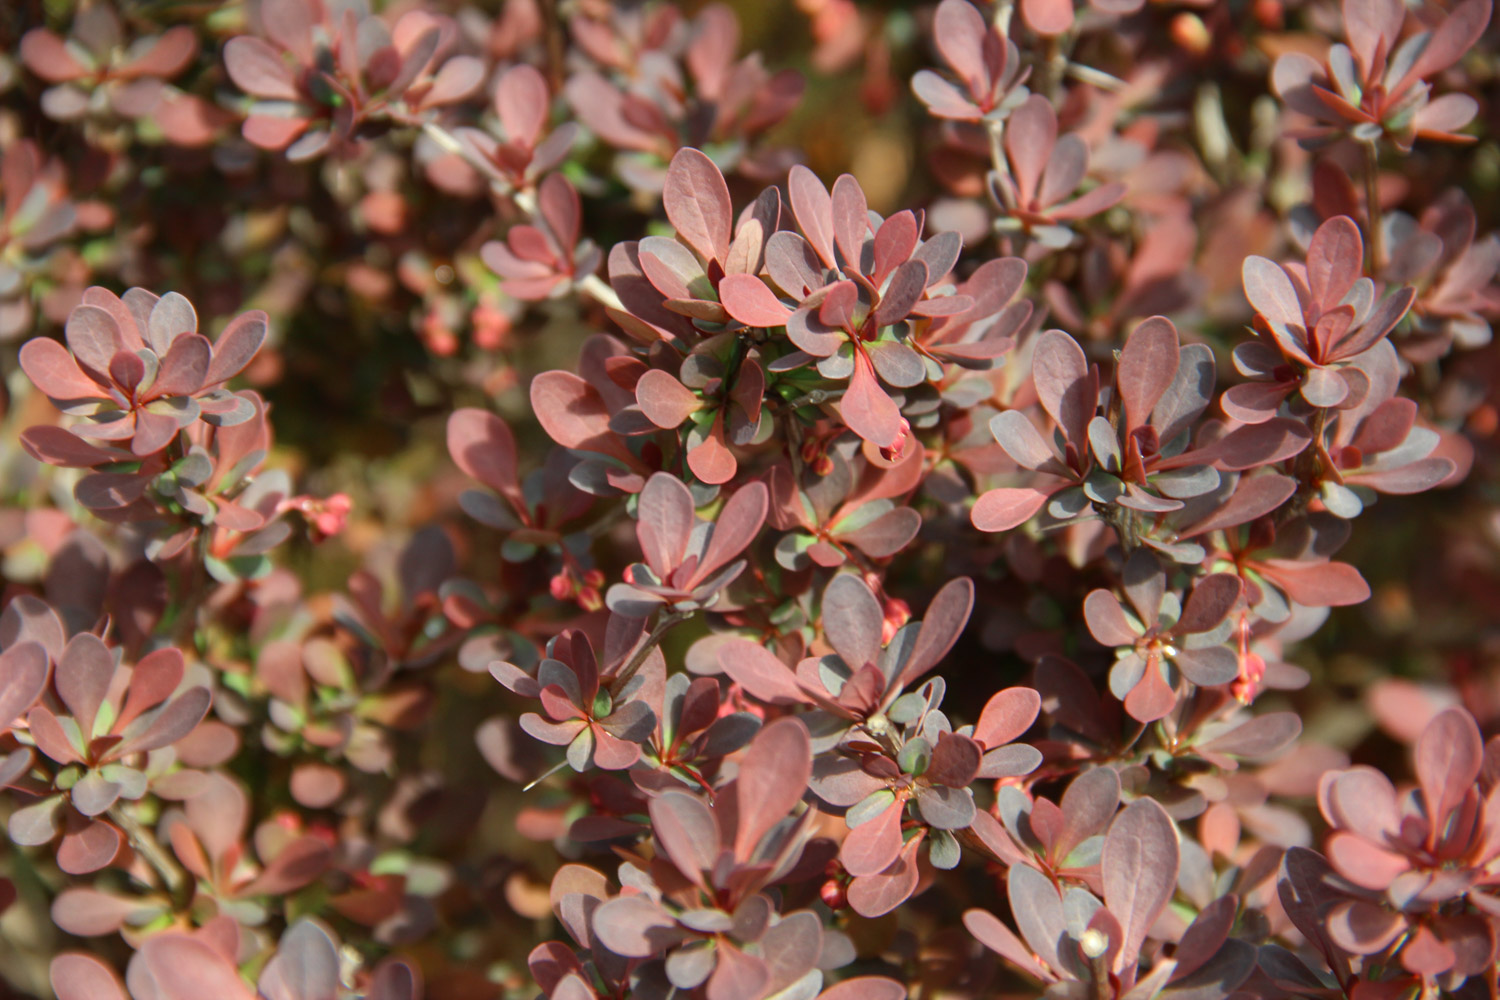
(975, 338)
(682, 276)
(547, 256)
(110, 740)
(318, 73)
(647, 107)
(1377, 86)
(527, 147)
(1291, 564)
(1071, 940)
(694, 733)
(987, 64)
(1414, 858)
(1064, 839)
(1037, 191)
(212, 485)
(914, 784)
(1313, 322)
(1142, 452)
(93, 71)
(1162, 632)
(1454, 272)
(701, 906)
(718, 392)
(688, 561)
(850, 507)
(138, 371)
(602, 724)
(208, 837)
(1378, 447)
(857, 283)
(862, 678)
(1159, 403)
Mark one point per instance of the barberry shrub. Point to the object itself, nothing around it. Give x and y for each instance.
(551, 500)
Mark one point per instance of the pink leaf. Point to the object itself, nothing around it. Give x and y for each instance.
(697, 204)
(83, 977)
(748, 300)
(1004, 509)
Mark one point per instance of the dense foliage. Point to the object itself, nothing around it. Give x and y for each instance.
(483, 517)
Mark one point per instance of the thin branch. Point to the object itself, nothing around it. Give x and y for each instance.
(173, 877)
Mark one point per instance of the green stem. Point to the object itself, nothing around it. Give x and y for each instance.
(173, 877)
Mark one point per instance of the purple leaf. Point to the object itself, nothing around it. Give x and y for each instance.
(1448, 757)
(687, 831)
(759, 672)
(1007, 715)
(852, 620)
(748, 300)
(1139, 869)
(1148, 365)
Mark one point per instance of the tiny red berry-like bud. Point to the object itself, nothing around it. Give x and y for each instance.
(1270, 13)
(1189, 32)
(897, 614)
(561, 587)
(833, 894)
(589, 598)
(593, 578)
(898, 449)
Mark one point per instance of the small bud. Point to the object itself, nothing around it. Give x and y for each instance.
(589, 598)
(833, 895)
(1190, 34)
(897, 614)
(1093, 943)
(561, 587)
(896, 450)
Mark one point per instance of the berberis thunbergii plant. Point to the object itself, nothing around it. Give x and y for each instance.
(536, 498)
